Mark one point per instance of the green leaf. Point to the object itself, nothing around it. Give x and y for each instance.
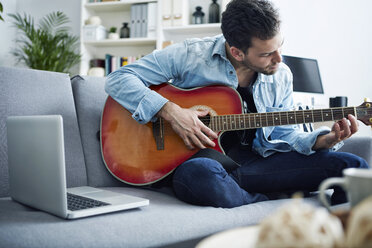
(49, 46)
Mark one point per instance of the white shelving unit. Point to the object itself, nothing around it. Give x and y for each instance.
(121, 42)
(116, 12)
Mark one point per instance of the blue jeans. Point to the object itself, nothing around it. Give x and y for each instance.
(203, 181)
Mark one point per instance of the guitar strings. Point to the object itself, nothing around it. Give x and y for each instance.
(316, 114)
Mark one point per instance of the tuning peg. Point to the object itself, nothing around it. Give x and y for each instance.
(366, 99)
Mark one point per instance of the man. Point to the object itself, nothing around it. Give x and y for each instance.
(247, 57)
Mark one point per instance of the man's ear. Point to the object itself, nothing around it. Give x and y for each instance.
(237, 53)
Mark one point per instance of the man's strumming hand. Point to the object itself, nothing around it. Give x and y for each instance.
(186, 123)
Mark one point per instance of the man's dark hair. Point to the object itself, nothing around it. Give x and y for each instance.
(244, 19)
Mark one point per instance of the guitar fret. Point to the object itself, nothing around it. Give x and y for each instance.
(262, 120)
(299, 116)
(291, 118)
(266, 119)
(327, 115)
(337, 113)
(350, 110)
(258, 124)
(303, 114)
(287, 117)
(282, 117)
(270, 121)
(308, 116)
(312, 115)
(277, 121)
(317, 115)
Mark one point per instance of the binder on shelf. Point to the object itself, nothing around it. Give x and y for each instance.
(133, 16)
(144, 20)
(137, 31)
(151, 19)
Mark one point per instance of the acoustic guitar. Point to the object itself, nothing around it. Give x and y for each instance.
(140, 154)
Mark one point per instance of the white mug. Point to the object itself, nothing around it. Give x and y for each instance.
(356, 182)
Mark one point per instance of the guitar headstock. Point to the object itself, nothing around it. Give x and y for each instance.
(364, 113)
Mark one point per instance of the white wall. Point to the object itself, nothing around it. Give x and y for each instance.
(338, 34)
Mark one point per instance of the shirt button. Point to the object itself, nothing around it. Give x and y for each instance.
(231, 72)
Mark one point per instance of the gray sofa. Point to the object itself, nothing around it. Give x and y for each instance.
(165, 222)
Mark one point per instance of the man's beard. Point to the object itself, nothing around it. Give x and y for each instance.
(267, 70)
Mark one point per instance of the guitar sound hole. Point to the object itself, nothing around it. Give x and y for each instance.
(206, 119)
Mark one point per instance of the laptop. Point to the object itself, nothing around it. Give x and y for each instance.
(37, 175)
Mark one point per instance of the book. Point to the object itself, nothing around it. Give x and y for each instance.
(108, 64)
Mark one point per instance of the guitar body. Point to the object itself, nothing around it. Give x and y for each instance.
(129, 149)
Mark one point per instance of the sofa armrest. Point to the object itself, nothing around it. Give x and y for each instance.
(360, 146)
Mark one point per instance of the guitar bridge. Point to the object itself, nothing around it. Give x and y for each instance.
(158, 132)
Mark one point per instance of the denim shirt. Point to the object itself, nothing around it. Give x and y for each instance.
(202, 62)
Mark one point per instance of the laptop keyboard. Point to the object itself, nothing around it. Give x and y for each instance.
(77, 202)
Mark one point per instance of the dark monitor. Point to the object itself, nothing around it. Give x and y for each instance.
(306, 75)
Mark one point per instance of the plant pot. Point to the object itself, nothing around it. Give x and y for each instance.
(113, 36)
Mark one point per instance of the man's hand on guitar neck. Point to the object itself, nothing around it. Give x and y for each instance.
(186, 123)
(341, 130)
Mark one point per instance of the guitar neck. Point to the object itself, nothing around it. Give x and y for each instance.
(258, 120)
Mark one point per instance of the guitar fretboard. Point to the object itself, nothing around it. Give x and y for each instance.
(258, 120)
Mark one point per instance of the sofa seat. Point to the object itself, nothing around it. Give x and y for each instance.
(165, 221)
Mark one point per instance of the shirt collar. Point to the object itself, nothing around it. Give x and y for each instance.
(219, 47)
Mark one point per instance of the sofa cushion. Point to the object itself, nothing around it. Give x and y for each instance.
(34, 92)
(90, 97)
(360, 146)
(165, 221)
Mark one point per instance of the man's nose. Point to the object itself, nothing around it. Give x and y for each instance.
(277, 58)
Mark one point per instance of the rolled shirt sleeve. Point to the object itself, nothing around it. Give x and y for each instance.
(129, 84)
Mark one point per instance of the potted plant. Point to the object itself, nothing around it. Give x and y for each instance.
(112, 34)
(49, 46)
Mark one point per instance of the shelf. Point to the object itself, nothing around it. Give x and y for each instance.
(122, 42)
(114, 5)
(194, 28)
